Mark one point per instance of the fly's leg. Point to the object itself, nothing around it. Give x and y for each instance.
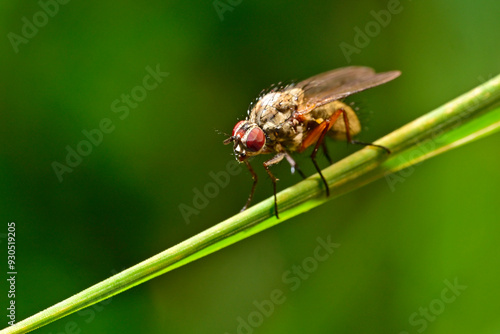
(346, 123)
(324, 127)
(313, 156)
(357, 142)
(294, 165)
(277, 158)
(317, 136)
(325, 151)
(254, 177)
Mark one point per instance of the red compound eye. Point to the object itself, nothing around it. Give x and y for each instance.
(255, 140)
(235, 129)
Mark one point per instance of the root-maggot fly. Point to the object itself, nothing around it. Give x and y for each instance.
(291, 118)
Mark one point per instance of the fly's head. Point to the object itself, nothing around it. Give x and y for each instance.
(249, 140)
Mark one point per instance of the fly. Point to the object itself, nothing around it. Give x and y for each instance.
(292, 118)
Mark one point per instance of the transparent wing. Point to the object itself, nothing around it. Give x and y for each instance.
(337, 84)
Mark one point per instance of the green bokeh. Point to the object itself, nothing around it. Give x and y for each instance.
(120, 205)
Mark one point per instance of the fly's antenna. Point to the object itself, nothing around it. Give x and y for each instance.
(219, 132)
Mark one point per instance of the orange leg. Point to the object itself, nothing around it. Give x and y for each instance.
(313, 155)
(327, 124)
(318, 136)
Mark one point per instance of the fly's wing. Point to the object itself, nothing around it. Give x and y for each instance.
(337, 84)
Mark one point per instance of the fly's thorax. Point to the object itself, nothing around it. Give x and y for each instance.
(274, 108)
(290, 99)
(288, 134)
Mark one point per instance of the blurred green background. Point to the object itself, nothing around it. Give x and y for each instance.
(120, 205)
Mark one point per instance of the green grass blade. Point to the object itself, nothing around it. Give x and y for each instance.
(469, 117)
